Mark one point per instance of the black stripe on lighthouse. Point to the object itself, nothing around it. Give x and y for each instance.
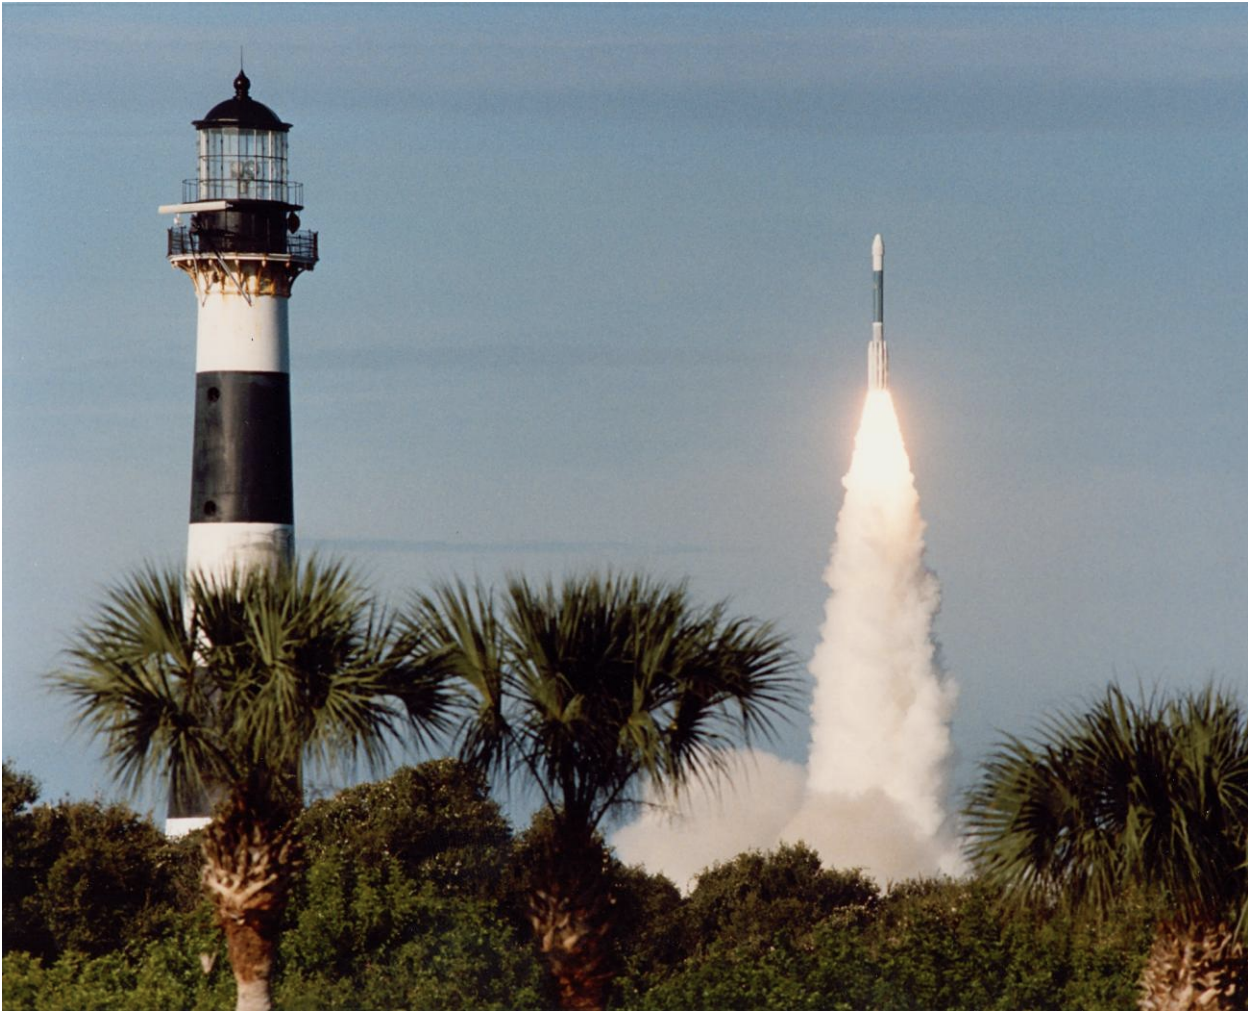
(241, 462)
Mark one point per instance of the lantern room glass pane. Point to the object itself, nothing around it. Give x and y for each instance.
(242, 164)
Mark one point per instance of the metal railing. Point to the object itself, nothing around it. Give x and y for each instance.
(241, 189)
(184, 241)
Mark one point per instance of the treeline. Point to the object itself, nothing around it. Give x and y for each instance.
(1109, 849)
(414, 894)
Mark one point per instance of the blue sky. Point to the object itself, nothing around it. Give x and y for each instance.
(595, 291)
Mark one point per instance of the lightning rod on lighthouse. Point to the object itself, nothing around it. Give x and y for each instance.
(242, 248)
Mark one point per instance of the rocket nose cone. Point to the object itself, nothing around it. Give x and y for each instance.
(877, 247)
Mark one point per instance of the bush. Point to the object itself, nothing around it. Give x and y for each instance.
(436, 820)
(927, 944)
(83, 876)
(164, 974)
(372, 937)
(757, 896)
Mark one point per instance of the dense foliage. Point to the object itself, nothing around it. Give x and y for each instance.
(229, 686)
(413, 897)
(1109, 854)
(1152, 793)
(79, 875)
(584, 693)
(1149, 795)
(404, 902)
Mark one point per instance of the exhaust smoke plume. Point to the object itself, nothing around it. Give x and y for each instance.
(874, 789)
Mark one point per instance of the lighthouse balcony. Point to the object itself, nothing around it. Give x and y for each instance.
(243, 186)
(299, 248)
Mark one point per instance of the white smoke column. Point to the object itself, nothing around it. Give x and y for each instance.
(880, 745)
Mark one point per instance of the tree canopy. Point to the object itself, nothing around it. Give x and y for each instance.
(226, 686)
(1130, 795)
(585, 692)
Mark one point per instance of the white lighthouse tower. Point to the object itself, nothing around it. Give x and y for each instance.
(236, 235)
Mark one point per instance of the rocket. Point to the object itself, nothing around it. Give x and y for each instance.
(877, 350)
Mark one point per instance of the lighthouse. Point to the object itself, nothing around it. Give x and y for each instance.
(236, 235)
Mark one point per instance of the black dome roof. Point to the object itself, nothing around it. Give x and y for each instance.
(242, 111)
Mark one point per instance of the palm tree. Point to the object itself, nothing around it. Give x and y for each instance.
(586, 692)
(1151, 795)
(228, 686)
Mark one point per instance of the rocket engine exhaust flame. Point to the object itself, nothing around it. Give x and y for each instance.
(872, 794)
(881, 706)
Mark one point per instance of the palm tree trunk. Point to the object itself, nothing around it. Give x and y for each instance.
(249, 857)
(571, 914)
(1194, 965)
(251, 951)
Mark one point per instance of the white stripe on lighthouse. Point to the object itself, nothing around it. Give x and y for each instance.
(216, 550)
(235, 335)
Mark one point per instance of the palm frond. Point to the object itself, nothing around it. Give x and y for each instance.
(451, 637)
(1152, 793)
(207, 682)
(595, 686)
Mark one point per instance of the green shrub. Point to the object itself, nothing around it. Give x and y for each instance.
(403, 945)
(164, 974)
(84, 876)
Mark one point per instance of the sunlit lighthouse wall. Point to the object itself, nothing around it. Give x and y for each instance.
(236, 236)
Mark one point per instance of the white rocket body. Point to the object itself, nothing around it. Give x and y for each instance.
(877, 350)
